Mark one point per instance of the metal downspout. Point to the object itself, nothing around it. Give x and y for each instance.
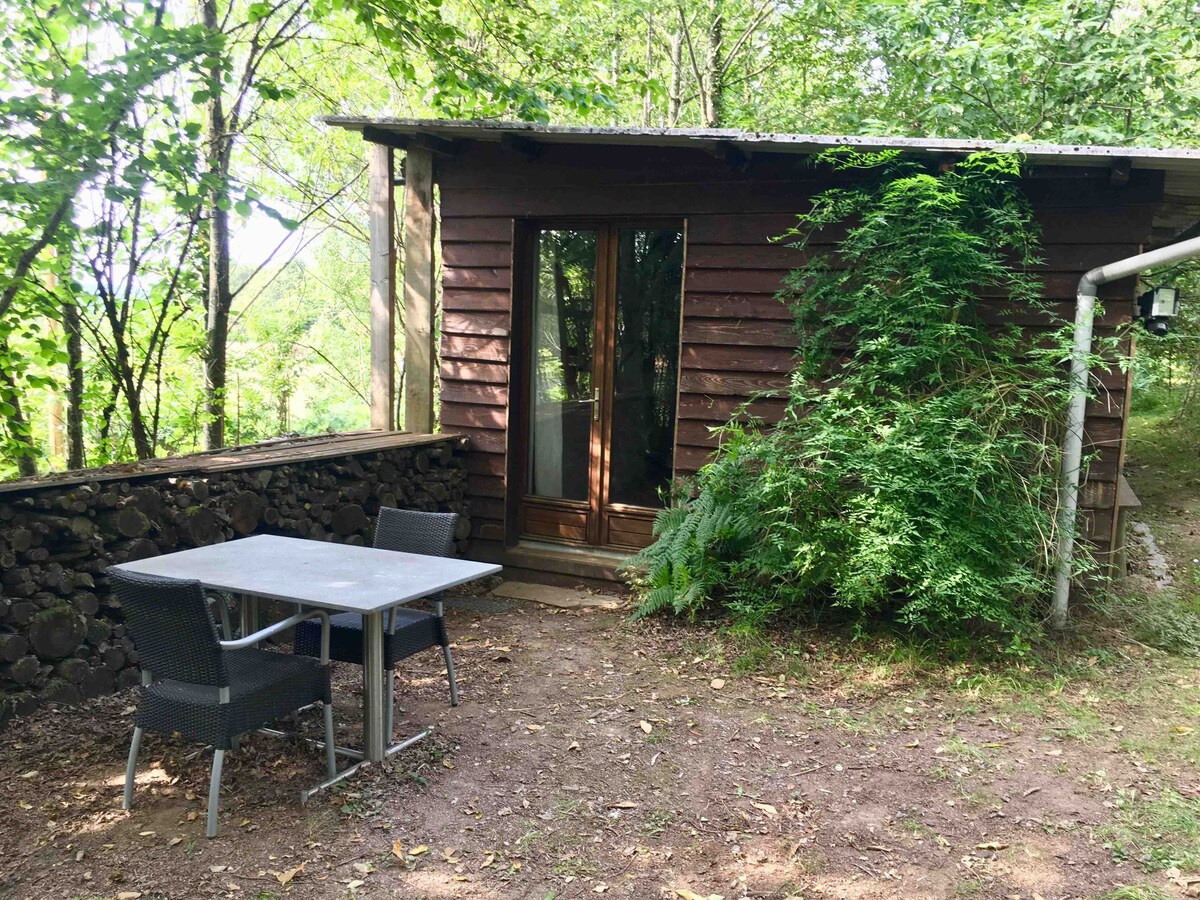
(1068, 495)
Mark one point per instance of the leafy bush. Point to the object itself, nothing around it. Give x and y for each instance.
(913, 472)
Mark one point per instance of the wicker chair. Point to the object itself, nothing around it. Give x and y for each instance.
(408, 631)
(206, 689)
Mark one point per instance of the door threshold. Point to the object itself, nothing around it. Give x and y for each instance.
(598, 563)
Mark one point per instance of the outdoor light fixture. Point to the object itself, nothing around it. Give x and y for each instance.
(1157, 307)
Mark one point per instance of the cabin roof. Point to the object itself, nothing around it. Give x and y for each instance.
(1178, 217)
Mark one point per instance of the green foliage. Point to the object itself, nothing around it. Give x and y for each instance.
(913, 471)
(1086, 71)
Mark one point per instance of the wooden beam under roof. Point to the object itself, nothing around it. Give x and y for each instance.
(382, 216)
(420, 356)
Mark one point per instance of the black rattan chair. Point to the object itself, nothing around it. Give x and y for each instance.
(408, 630)
(208, 690)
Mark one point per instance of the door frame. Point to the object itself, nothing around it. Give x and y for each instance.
(520, 373)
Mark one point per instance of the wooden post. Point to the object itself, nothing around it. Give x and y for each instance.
(383, 285)
(419, 350)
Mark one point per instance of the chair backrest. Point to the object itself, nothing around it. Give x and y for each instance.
(410, 531)
(171, 627)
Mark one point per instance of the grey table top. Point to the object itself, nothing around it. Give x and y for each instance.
(315, 573)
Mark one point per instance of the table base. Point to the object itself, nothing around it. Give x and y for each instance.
(349, 752)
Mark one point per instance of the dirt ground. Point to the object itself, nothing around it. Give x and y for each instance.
(592, 755)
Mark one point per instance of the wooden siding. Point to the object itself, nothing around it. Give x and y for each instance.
(736, 337)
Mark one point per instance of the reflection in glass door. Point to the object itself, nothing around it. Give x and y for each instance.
(562, 395)
(602, 376)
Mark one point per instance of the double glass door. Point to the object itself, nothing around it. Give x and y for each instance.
(601, 380)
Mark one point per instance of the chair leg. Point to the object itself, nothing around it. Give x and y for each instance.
(214, 793)
(330, 755)
(131, 768)
(450, 676)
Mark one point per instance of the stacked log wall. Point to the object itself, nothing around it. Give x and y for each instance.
(62, 634)
(737, 336)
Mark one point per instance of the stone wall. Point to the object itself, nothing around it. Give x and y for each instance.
(62, 638)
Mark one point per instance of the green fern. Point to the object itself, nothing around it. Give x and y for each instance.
(919, 481)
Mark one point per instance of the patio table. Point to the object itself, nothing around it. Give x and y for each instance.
(326, 576)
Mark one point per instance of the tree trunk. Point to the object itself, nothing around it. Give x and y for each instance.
(647, 95)
(714, 76)
(219, 295)
(675, 86)
(74, 413)
(15, 422)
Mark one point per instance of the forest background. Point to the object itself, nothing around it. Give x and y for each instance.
(183, 256)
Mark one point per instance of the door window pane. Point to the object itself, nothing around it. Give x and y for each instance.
(562, 389)
(646, 363)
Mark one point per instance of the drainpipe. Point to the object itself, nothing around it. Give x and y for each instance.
(1085, 306)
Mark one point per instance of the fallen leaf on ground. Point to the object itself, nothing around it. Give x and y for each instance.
(645, 726)
(285, 877)
(623, 804)
(534, 727)
(417, 851)
(717, 683)
(991, 845)
(766, 808)
(398, 849)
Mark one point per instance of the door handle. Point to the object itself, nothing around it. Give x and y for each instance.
(596, 405)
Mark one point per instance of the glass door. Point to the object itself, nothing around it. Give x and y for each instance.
(563, 393)
(602, 376)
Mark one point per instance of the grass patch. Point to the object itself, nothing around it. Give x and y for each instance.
(1167, 620)
(657, 822)
(1143, 892)
(1158, 832)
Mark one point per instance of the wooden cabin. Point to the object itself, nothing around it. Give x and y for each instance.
(583, 303)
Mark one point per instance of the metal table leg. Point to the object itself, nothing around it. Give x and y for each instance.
(249, 613)
(373, 698)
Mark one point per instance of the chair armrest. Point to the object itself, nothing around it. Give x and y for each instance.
(262, 634)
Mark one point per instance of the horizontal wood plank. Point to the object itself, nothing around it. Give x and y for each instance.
(729, 384)
(469, 370)
(484, 440)
(498, 229)
(486, 464)
(474, 415)
(485, 486)
(707, 408)
(477, 254)
(487, 324)
(474, 392)
(483, 349)
(712, 357)
(745, 332)
(492, 279)
(471, 299)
